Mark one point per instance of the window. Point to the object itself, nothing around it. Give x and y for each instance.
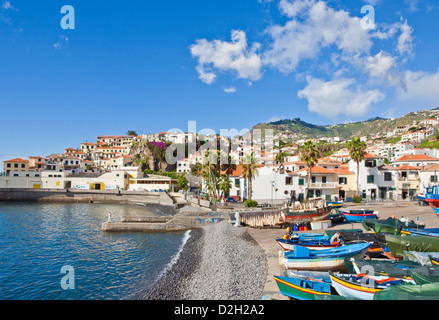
(387, 176)
(342, 180)
(433, 178)
(370, 179)
(15, 165)
(301, 182)
(23, 165)
(8, 165)
(323, 179)
(370, 163)
(288, 181)
(313, 179)
(15, 174)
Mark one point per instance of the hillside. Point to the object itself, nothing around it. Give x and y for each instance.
(372, 127)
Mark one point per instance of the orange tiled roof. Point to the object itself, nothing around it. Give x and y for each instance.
(317, 169)
(17, 160)
(416, 157)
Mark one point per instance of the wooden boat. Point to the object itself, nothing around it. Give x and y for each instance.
(398, 244)
(359, 215)
(390, 268)
(302, 258)
(334, 204)
(302, 287)
(432, 232)
(378, 240)
(315, 210)
(300, 216)
(288, 244)
(362, 286)
(336, 217)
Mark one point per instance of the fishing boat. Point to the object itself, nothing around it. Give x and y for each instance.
(359, 215)
(336, 217)
(288, 244)
(390, 225)
(423, 258)
(436, 210)
(334, 204)
(300, 287)
(390, 268)
(421, 279)
(302, 258)
(378, 240)
(432, 232)
(314, 210)
(362, 286)
(398, 244)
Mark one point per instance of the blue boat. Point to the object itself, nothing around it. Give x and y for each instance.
(432, 232)
(359, 215)
(302, 258)
(288, 244)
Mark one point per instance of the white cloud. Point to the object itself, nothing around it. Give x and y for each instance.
(223, 56)
(336, 97)
(421, 86)
(382, 67)
(317, 27)
(7, 5)
(230, 90)
(405, 40)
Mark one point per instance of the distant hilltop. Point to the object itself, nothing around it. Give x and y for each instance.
(375, 127)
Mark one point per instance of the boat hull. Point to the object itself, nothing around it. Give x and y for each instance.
(290, 246)
(307, 216)
(351, 290)
(358, 217)
(324, 260)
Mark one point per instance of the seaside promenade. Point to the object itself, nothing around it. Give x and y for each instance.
(266, 237)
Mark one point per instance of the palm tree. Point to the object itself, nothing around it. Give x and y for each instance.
(228, 167)
(309, 154)
(224, 184)
(132, 133)
(249, 171)
(357, 151)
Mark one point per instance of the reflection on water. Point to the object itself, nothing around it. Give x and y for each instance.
(38, 239)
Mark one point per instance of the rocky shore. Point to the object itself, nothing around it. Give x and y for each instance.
(218, 262)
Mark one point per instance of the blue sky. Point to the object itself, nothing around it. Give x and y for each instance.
(151, 66)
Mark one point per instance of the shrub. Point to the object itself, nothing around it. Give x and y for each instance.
(250, 203)
(357, 199)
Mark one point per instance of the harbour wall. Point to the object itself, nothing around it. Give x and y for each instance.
(66, 195)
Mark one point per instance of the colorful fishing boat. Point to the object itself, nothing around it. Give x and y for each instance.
(303, 288)
(362, 286)
(302, 258)
(436, 210)
(432, 232)
(314, 210)
(359, 215)
(378, 240)
(398, 244)
(334, 204)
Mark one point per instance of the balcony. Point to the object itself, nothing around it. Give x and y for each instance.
(321, 185)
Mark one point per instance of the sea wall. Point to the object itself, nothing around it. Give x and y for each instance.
(55, 195)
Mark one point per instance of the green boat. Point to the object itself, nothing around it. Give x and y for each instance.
(429, 291)
(398, 244)
(330, 233)
(389, 225)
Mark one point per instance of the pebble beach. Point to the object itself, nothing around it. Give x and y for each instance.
(218, 262)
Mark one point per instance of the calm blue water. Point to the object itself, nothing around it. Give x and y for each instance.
(37, 240)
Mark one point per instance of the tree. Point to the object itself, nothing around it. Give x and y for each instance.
(357, 151)
(249, 171)
(224, 184)
(132, 133)
(182, 182)
(281, 156)
(309, 154)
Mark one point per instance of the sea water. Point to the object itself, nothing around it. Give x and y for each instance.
(57, 251)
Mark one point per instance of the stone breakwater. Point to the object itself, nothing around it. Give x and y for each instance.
(218, 262)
